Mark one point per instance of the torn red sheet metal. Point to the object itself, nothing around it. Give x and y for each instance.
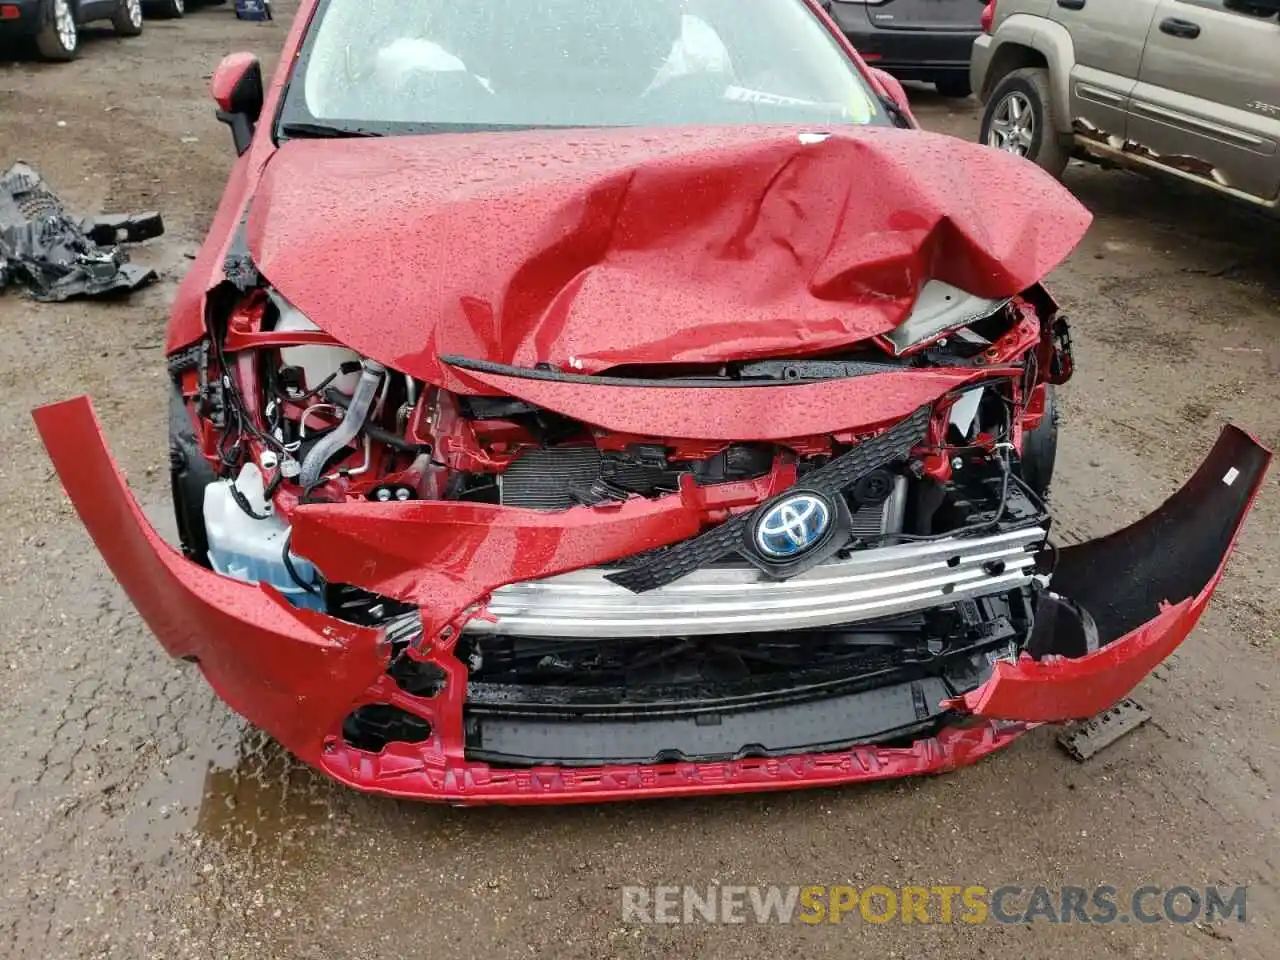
(297, 674)
(444, 556)
(291, 671)
(586, 249)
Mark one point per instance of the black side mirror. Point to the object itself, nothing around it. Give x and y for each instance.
(237, 90)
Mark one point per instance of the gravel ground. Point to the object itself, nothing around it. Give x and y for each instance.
(140, 818)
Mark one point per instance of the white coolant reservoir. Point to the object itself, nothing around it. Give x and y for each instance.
(251, 548)
(316, 363)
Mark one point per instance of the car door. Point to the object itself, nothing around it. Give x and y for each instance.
(1207, 100)
(934, 15)
(1107, 37)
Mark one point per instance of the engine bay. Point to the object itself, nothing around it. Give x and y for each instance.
(271, 413)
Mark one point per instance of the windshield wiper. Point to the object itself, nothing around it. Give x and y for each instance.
(896, 114)
(317, 131)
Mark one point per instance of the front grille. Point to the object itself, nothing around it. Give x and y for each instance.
(664, 567)
(865, 585)
(881, 715)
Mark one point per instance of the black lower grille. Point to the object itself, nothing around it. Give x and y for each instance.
(882, 715)
(872, 701)
(670, 698)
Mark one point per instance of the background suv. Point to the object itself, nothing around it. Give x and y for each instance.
(54, 25)
(927, 40)
(1186, 87)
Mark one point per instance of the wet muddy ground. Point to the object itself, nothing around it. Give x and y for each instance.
(140, 818)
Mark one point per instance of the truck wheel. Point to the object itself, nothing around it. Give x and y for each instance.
(128, 18)
(59, 36)
(1019, 119)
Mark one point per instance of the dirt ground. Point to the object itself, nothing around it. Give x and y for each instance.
(140, 818)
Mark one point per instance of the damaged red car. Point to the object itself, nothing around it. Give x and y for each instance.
(579, 401)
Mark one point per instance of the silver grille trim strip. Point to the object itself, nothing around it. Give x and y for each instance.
(868, 585)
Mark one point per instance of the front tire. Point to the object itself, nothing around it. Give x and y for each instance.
(59, 36)
(127, 19)
(1019, 119)
(1040, 447)
(189, 474)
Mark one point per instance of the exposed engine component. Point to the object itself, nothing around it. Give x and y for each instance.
(248, 540)
(319, 365)
(529, 459)
(556, 478)
(294, 417)
(349, 427)
(880, 513)
(545, 479)
(397, 492)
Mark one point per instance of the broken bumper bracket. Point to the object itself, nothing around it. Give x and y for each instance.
(1143, 587)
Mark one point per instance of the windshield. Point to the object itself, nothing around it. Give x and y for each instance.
(388, 66)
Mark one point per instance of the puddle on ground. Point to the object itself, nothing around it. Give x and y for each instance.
(263, 799)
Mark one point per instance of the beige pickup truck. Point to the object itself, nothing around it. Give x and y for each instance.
(1185, 87)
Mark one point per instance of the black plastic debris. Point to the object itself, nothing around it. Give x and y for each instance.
(57, 257)
(1083, 740)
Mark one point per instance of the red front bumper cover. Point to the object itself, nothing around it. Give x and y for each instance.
(297, 674)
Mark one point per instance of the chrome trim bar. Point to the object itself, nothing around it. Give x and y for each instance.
(867, 585)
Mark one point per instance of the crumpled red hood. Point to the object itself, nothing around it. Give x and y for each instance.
(588, 249)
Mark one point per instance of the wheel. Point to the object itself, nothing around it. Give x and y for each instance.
(1019, 119)
(128, 18)
(1040, 447)
(59, 36)
(953, 86)
(167, 9)
(189, 474)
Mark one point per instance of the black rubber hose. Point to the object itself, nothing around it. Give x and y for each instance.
(339, 399)
(311, 588)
